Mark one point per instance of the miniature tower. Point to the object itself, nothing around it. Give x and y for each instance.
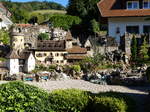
(17, 41)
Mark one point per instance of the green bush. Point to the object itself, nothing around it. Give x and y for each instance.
(52, 68)
(108, 104)
(43, 36)
(76, 68)
(20, 97)
(69, 100)
(127, 104)
(72, 100)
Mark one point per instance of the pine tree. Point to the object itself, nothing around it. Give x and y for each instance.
(144, 50)
(134, 49)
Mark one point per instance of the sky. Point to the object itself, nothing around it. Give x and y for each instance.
(63, 2)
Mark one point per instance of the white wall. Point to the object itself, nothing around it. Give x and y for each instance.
(30, 63)
(113, 23)
(13, 66)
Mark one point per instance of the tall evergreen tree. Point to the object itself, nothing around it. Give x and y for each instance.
(87, 10)
(134, 49)
(144, 50)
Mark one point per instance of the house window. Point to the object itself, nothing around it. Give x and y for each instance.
(88, 48)
(51, 54)
(132, 5)
(57, 54)
(132, 29)
(39, 55)
(146, 29)
(146, 4)
(62, 54)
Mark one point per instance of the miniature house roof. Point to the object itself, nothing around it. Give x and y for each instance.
(24, 54)
(68, 36)
(51, 45)
(75, 57)
(87, 43)
(13, 55)
(77, 50)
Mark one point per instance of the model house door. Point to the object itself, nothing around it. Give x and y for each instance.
(132, 29)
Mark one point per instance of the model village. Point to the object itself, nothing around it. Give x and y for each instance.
(102, 59)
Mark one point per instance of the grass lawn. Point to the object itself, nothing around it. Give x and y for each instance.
(49, 12)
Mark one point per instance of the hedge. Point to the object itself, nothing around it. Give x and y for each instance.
(70, 100)
(20, 97)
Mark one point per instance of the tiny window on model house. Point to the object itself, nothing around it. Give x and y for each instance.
(132, 5)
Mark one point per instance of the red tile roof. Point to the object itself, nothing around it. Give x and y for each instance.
(24, 25)
(77, 50)
(75, 57)
(106, 11)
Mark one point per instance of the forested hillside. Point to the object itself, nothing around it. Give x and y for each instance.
(35, 5)
(21, 11)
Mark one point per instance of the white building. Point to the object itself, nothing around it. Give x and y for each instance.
(20, 62)
(13, 62)
(131, 16)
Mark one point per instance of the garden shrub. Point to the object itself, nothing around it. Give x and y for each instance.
(76, 68)
(20, 97)
(108, 104)
(70, 100)
(52, 68)
(126, 102)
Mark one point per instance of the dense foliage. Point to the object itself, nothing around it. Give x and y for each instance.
(144, 50)
(64, 21)
(96, 63)
(4, 37)
(81, 101)
(134, 49)
(20, 97)
(109, 104)
(43, 36)
(87, 10)
(21, 11)
(69, 100)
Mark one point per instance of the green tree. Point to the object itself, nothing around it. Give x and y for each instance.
(64, 21)
(4, 37)
(20, 11)
(95, 27)
(134, 49)
(43, 36)
(87, 10)
(144, 50)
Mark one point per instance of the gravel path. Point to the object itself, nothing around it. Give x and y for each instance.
(84, 85)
